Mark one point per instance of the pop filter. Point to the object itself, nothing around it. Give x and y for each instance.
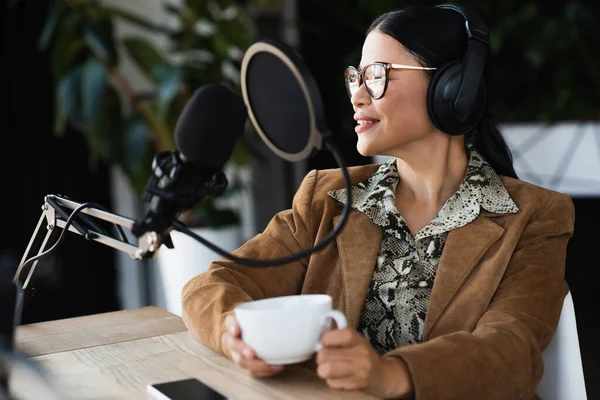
(283, 101)
(285, 107)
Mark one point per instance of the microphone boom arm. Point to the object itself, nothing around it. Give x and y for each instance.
(54, 215)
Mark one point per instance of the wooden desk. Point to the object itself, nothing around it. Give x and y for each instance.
(96, 330)
(115, 355)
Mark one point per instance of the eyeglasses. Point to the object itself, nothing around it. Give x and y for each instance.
(375, 77)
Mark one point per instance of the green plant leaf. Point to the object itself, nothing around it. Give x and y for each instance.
(171, 8)
(99, 36)
(187, 16)
(162, 136)
(104, 134)
(60, 119)
(535, 57)
(221, 44)
(238, 32)
(240, 155)
(246, 23)
(136, 157)
(65, 47)
(198, 7)
(176, 108)
(50, 26)
(134, 19)
(93, 88)
(145, 55)
(82, 45)
(69, 98)
(167, 90)
(137, 138)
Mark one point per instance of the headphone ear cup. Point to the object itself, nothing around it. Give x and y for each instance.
(441, 95)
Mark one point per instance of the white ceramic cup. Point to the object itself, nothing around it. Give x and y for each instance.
(287, 330)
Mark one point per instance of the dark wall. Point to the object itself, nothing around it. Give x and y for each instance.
(328, 46)
(80, 279)
(583, 271)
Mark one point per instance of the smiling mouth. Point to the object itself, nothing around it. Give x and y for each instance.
(363, 125)
(367, 122)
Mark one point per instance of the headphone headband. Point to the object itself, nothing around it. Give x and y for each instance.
(475, 25)
(478, 36)
(456, 95)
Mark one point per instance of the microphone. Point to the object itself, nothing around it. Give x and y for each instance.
(205, 135)
(211, 122)
(286, 109)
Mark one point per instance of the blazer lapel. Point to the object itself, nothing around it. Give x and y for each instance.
(358, 247)
(463, 250)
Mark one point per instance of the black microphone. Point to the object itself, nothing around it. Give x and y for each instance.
(205, 135)
(286, 109)
(211, 122)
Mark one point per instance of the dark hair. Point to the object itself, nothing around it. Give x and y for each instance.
(436, 36)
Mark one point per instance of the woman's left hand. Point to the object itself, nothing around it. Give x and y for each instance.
(347, 361)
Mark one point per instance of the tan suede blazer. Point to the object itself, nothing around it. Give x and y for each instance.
(494, 305)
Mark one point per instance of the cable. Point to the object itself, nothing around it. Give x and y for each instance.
(58, 242)
(180, 227)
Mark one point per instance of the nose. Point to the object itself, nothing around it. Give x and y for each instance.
(360, 97)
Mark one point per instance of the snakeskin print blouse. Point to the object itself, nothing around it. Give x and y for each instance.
(394, 310)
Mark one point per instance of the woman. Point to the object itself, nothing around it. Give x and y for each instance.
(450, 270)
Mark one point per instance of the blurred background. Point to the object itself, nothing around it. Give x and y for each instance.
(93, 89)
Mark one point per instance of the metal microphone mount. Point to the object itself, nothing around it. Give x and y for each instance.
(55, 212)
(176, 186)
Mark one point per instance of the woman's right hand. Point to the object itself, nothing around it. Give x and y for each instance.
(242, 354)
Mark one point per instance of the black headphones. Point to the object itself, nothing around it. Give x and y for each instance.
(456, 95)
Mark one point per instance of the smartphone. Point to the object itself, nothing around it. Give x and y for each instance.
(185, 389)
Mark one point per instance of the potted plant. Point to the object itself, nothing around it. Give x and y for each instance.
(126, 128)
